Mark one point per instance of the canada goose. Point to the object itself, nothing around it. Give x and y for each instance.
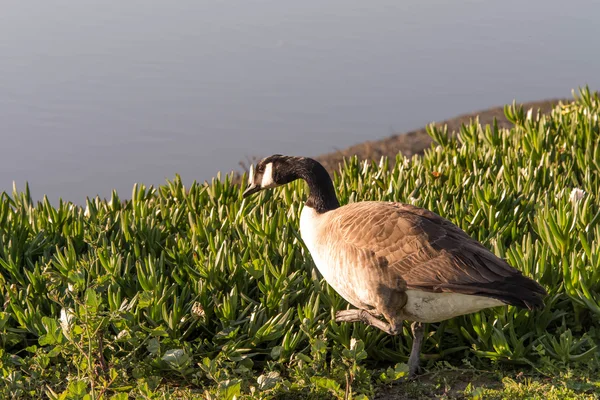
(394, 260)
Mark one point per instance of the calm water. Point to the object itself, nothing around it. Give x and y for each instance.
(96, 95)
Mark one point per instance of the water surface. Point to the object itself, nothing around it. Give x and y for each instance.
(96, 95)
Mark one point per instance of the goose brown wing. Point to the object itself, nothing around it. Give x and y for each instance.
(429, 253)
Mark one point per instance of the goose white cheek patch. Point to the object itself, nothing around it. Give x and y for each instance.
(267, 178)
(251, 175)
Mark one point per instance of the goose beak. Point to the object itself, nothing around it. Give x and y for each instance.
(251, 189)
(252, 186)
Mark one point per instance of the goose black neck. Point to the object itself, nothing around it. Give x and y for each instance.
(322, 196)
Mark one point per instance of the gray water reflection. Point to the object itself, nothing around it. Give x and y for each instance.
(96, 95)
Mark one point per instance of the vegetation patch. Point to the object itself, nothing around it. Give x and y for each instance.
(194, 292)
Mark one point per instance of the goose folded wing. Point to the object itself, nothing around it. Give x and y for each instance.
(430, 253)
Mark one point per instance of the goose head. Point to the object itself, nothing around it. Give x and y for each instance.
(273, 171)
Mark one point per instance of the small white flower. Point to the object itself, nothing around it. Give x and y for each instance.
(352, 344)
(66, 317)
(86, 213)
(576, 195)
(529, 113)
(123, 334)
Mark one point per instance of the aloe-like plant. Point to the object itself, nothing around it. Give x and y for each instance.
(198, 285)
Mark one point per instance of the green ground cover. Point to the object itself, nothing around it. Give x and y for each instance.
(185, 292)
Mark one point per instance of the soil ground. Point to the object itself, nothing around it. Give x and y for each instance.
(412, 142)
(415, 142)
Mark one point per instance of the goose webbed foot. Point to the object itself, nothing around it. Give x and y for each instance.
(364, 317)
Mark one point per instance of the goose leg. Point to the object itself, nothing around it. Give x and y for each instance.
(413, 361)
(365, 317)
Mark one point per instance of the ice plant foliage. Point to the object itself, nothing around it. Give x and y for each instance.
(196, 285)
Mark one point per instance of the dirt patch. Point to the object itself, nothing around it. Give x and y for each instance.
(410, 143)
(415, 142)
(441, 384)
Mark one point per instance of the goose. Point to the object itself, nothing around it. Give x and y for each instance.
(394, 261)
